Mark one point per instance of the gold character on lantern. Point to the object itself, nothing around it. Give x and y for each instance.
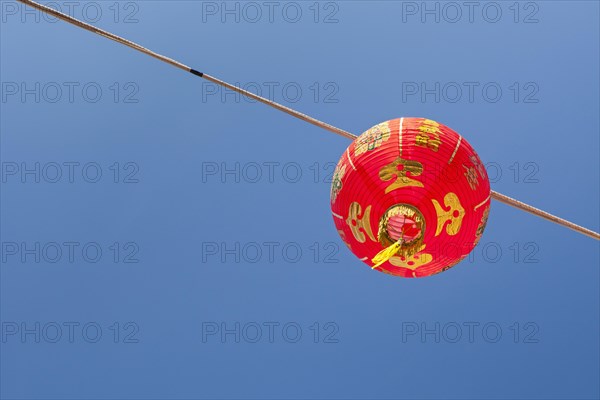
(475, 171)
(426, 141)
(453, 212)
(413, 262)
(471, 175)
(336, 183)
(372, 139)
(391, 171)
(360, 223)
(479, 166)
(429, 135)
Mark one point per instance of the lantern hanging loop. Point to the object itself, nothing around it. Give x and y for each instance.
(394, 248)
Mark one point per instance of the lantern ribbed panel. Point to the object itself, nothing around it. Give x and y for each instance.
(420, 163)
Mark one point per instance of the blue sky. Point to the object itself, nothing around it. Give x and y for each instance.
(163, 239)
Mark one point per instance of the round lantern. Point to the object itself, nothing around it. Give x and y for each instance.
(410, 197)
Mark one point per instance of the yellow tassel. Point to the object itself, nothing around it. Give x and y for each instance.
(387, 253)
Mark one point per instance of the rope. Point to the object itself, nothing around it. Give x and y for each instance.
(543, 214)
(495, 195)
(283, 108)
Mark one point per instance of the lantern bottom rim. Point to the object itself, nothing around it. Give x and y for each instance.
(402, 222)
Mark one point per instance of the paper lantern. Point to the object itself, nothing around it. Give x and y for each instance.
(410, 197)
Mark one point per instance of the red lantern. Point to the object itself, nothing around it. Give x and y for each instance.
(410, 197)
